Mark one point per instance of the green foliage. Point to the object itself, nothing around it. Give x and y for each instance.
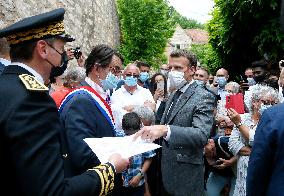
(146, 28)
(184, 22)
(206, 56)
(244, 31)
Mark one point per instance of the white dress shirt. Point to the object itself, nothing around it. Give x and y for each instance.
(5, 62)
(121, 98)
(183, 89)
(97, 88)
(31, 70)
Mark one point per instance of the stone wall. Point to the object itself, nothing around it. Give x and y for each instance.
(91, 22)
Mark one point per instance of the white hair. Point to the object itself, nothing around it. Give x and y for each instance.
(73, 74)
(236, 86)
(259, 91)
(144, 113)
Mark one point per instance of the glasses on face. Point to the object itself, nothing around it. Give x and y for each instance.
(116, 70)
(268, 102)
(134, 75)
(230, 91)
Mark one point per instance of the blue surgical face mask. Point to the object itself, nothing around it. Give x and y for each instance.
(221, 81)
(263, 108)
(144, 76)
(110, 82)
(130, 81)
(200, 82)
(251, 81)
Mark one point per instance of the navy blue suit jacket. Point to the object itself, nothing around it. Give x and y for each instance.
(266, 164)
(82, 119)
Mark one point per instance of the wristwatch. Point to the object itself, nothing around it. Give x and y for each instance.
(141, 173)
(239, 124)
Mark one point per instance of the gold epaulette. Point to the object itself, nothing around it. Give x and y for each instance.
(31, 83)
(106, 174)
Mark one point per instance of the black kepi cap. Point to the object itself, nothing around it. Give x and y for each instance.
(42, 26)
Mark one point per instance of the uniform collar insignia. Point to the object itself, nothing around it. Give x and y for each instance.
(31, 83)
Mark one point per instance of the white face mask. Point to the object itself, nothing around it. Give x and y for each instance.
(176, 78)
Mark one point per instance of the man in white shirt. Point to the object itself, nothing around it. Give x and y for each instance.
(130, 94)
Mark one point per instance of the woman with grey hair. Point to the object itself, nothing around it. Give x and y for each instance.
(232, 88)
(71, 78)
(242, 137)
(146, 114)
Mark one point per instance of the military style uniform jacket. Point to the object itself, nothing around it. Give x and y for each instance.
(31, 157)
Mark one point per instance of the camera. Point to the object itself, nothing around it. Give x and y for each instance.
(77, 52)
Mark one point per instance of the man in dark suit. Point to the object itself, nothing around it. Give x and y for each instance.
(82, 116)
(86, 113)
(33, 154)
(186, 125)
(265, 170)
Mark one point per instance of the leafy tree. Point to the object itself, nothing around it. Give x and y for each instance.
(184, 22)
(244, 31)
(146, 27)
(207, 57)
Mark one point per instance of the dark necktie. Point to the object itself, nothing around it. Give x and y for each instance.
(174, 101)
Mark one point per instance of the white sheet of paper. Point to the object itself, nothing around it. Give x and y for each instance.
(125, 146)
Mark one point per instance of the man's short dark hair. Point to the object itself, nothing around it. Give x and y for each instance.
(141, 63)
(261, 63)
(131, 123)
(100, 56)
(24, 51)
(187, 54)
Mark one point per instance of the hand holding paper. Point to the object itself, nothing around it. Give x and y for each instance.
(125, 146)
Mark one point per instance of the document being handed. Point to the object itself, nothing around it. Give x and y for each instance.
(125, 146)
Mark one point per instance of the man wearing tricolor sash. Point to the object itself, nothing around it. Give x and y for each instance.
(85, 112)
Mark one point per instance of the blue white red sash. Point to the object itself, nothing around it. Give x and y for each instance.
(98, 100)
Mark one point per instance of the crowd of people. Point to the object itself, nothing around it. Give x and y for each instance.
(48, 107)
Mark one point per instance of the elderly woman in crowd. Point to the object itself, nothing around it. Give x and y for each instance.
(232, 88)
(71, 79)
(223, 122)
(242, 136)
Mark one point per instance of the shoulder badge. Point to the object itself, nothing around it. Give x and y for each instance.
(106, 174)
(31, 83)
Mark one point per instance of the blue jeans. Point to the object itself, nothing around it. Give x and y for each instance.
(216, 183)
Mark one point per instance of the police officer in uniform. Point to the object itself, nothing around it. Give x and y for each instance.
(32, 152)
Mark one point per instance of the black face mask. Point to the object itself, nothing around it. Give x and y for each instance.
(58, 71)
(259, 78)
(210, 81)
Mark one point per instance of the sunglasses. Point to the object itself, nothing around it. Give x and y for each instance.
(134, 75)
